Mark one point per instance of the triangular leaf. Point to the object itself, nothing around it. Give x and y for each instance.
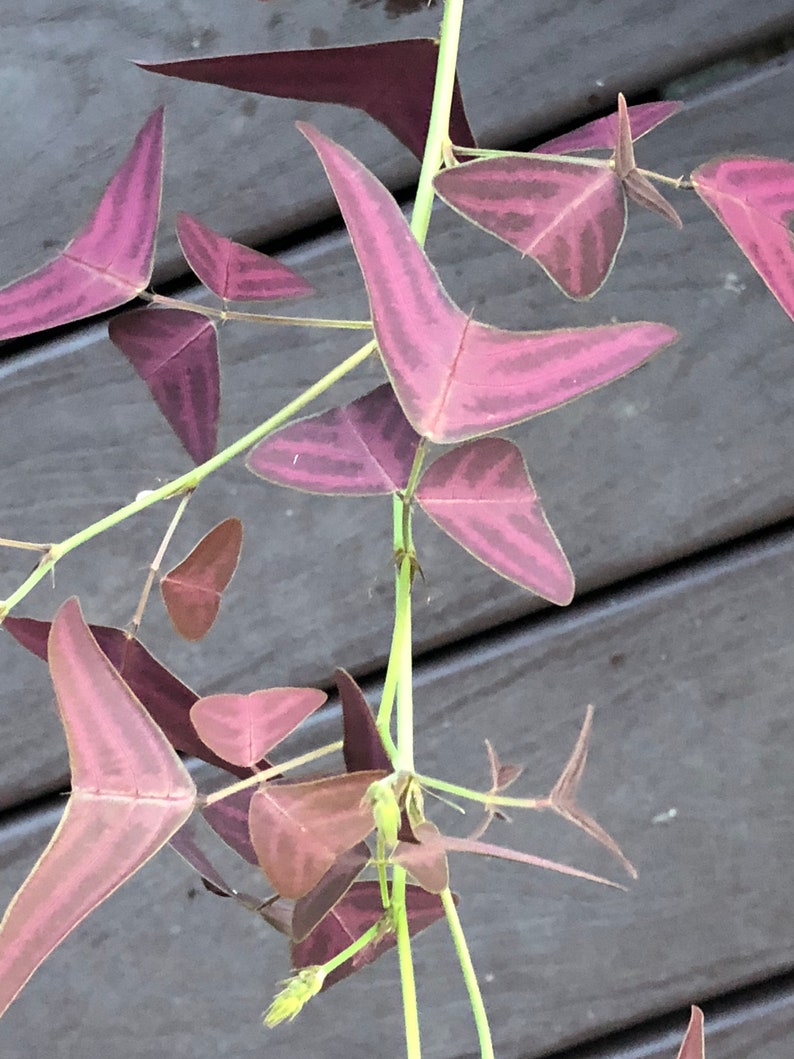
(299, 829)
(603, 132)
(130, 794)
(640, 190)
(568, 217)
(232, 271)
(370, 77)
(192, 590)
(754, 198)
(243, 728)
(109, 261)
(362, 449)
(623, 155)
(228, 818)
(481, 495)
(425, 860)
(175, 352)
(360, 909)
(318, 902)
(694, 1046)
(453, 376)
(362, 748)
(187, 844)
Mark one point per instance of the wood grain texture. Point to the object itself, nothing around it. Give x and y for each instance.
(689, 769)
(73, 100)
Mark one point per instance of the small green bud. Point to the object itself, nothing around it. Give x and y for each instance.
(385, 810)
(296, 992)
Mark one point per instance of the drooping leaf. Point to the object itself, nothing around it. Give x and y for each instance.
(568, 217)
(603, 132)
(175, 352)
(754, 199)
(228, 818)
(482, 496)
(502, 776)
(455, 377)
(243, 728)
(167, 700)
(187, 843)
(130, 794)
(360, 909)
(362, 748)
(232, 271)
(392, 81)
(636, 185)
(192, 590)
(318, 902)
(362, 449)
(453, 844)
(694, 1046)
(564, 795)
(109, 262)
(299, 829)
(426, 859)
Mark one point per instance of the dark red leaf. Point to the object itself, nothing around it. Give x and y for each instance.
(694, 1046)
(362, 749)
(232, 271)
(317, 903)
(109, 261)
(192, 590)
(228, 818)
(187, 843)
(362, 449)
(603, 132)
(502, 776)
(392, 81)
(175, 352)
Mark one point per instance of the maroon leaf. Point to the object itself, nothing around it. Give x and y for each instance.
(635, 184)
(363, 749)
(502, 776)
(109, 261)
(370, 77)
(603, 133)
(694, 1046)
(471, 845)
(243, 728)
(312, 908)
(228, 818)
(186, 842)
(232, 271)
(481, 495)
(754, 199)
(568, 217)
(175, 352)
(426, 860)
(130, 794)
(453, 376)
(360, 909)
(299, 829)
(362, 449)
(192, 590)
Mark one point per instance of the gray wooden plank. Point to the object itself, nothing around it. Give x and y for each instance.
(73, 101)
(689, 769)
(693, 449)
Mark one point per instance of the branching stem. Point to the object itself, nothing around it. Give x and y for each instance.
(268, 774)
(156, 563)
(255, 318)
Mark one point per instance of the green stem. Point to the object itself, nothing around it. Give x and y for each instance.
(469, 975)
(186, 482)
(540, 156)
(354, 947)
(480, 796)
(413, 1046)
(268, 774)
(156, 563)
(255, 318)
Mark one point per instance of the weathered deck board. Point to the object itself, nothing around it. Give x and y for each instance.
(73, 101)
(691, 676)
(693, 449)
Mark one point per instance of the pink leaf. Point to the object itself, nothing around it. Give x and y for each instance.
(603, 133)
(470, 845)
(426, 859)
(175, 352)
(192, 590)
(362, 449)
(694, 1046)
(370, 77)
(232, 271)
(243, 728)
(568, 217)
(299, 829)
(481, 495)
(453, 376)
(130, 794)
(754, 199)
(109, 261)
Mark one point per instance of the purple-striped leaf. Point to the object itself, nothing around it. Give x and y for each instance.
(569, 217)
(232, 271)
(603, 133)
(243, 728)
(360, 909)
(454, 377)
(130, 794)
(109, 261)
(362, 748)
(392, 81)
(192, 590)
(452, 844)
(754, 198)
(167, 700)
(693, 1045)
(482, 496)
(312, 908)
(361, 449)
(228, 818)
(175, 352)
(299, 829)
(425, 859)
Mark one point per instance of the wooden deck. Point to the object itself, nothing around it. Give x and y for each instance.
(670, 491)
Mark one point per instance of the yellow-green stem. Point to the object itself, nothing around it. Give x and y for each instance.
(469, 975)
(413, 1046)
(275, 770)
(481, 796)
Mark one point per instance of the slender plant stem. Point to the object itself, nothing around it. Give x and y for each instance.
(679, 183)
(480, 796)
(354, 947)
(28, 546)
(469, 975)
(413, 1046)
(540, 156)
(268, 774)
(156, 563)
(214, 313)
